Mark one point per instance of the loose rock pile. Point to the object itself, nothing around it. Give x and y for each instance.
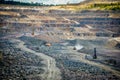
(18, 64)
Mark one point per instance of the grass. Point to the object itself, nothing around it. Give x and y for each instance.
(105, 6)
(92, 5)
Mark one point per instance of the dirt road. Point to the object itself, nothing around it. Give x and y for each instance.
(81, 57)
(51, 71)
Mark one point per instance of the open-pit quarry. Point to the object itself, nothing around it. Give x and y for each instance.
(39, 43)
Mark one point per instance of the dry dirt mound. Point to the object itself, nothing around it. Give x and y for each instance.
(48, 38)
(114, 43)
(9, 13)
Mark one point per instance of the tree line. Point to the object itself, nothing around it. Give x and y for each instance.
(12, 2)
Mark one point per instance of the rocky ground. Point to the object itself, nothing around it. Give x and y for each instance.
(72, 62)
(42, 44)
(17, 64)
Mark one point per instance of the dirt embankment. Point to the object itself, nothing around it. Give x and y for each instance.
(114, 43)
(9, 13)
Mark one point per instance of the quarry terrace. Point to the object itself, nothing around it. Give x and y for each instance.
(39, 43)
